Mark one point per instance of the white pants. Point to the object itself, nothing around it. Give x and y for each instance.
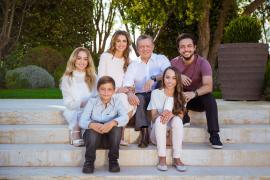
(158, 136)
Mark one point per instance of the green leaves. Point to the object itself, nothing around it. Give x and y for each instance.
(243, 29)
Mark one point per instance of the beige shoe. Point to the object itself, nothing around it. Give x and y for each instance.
(123, 143)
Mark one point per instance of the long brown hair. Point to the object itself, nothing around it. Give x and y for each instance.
(90, 71)
(178, 97)
(112, 48)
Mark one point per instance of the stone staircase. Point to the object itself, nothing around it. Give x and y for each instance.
(34, 145)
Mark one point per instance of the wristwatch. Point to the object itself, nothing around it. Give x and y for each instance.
(153, 78)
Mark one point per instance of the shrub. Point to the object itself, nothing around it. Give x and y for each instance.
(58, 73)
(45, 57)
(2, 76)
(29, 77)
(14, 59)
(243, 29)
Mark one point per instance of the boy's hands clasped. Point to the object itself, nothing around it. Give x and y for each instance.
(103, 128)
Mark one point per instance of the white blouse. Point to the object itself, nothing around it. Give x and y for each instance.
(110, 65)
(160, 101)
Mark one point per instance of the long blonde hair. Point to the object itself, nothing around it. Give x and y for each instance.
(90, 71)
(112, 48)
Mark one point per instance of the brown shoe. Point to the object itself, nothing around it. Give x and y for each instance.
(144, 138)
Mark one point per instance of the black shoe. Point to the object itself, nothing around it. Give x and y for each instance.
(88, 167)
(215, 141)
(144, 138)
(186, 120)
(114, 166)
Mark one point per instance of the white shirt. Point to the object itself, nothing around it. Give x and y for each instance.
(138, 72)
(160, 101)
(110, 65)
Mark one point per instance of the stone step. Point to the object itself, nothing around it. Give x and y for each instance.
(48, 111)
(135, 173)
(53, 134)
(193, 154)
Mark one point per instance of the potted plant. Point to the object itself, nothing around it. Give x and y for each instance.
(242, 60)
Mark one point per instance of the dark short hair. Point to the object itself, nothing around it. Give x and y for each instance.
(185, 36)
(142, 37)
(105, 80)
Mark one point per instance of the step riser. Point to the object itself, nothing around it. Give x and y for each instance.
(123, 177)
(135, 157)
(237, 116)
(32, 117)
(34, 136)
(51, 135)
(246, 116)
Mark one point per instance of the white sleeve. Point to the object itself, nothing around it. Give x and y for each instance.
(69, 100)
(102, 65)
(129, 77)
(164, 62)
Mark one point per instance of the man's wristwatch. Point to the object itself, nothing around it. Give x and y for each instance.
(153, 78)
(196, 93)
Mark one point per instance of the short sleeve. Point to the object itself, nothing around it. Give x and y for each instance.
(206, 69)
(153, 104)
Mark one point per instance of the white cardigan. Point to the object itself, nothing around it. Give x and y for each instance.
(75, 91)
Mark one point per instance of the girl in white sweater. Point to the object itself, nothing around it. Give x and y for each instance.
(77, 84)
(114, 63)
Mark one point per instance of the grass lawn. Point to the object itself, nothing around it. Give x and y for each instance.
(51, 93)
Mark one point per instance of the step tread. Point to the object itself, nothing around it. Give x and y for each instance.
(57, 104)
(186, 146)
(223, 126)
(134, 171)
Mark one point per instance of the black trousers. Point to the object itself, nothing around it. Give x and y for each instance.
(208, 104)
(94, 140)
(141, 118)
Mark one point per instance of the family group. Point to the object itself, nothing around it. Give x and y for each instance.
(156, 92)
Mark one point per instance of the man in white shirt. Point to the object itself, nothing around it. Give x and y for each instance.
(143, 74)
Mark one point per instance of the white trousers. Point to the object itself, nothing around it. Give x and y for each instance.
(159, 132)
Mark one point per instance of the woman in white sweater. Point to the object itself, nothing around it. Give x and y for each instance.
(167, 106)
(114, 63)
(77, 85)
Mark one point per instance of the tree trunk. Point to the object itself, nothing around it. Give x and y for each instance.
(204, 30)
(212, 56)
(252, 7)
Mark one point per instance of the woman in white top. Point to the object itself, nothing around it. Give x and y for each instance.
(114, 63)
(167, 107)
(77, 84)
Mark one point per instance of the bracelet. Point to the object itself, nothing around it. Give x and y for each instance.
(196, 93)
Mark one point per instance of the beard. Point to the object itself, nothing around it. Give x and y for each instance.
(187, 58)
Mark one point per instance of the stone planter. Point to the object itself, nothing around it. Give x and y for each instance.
(241, 70)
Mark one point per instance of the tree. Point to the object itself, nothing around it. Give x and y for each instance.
(152, 17)
(103, 21)
(59, 24)
(12, 14)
